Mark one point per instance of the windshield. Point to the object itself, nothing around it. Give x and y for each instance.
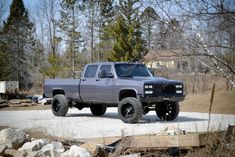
(131, 70)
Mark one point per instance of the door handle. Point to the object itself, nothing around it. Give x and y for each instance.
(83, 79)
(97, 79)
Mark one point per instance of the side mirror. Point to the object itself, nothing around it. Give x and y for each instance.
(109, 75)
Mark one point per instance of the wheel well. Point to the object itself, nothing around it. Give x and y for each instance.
(127, 93)
(57, 91)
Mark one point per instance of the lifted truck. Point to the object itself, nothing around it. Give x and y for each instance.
(129, 86)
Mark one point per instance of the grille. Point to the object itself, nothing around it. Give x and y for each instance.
(162, 89)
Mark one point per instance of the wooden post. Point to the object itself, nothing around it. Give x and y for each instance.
(211, 103)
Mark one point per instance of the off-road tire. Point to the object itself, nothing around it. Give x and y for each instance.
(167, 110)
(59, 105)
(130, 110)
(98, 109)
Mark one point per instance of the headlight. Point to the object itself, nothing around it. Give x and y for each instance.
(179, 91)
(148, 89)
(179, 86)
(148, 92)
(148, 86)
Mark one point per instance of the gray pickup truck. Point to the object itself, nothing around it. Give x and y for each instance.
(129, 86)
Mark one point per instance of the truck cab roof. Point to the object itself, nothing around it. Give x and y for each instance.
(112, 63)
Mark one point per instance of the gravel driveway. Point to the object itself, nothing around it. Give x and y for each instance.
(82, 124)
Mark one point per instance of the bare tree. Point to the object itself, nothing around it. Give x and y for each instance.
(69, 24)
(92, 11)
(208, 31)
(50, 11)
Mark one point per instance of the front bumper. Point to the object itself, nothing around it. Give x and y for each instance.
(153, 99)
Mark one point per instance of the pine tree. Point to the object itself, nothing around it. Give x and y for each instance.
(18, 33)
(3, 57)
(128, 41)
(4, 67)
(121, 49)
(149, 22)
(106, 14)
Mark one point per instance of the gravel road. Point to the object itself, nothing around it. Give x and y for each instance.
(82, 124)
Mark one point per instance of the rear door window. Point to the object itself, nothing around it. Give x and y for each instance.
(91, 71)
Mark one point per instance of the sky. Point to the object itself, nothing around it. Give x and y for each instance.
(29, 5)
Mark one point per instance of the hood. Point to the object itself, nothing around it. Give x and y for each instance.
(156, 80)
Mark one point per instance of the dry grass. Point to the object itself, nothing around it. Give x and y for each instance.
(224, 102)
(217, 145)
(39, 107)
(3, 127)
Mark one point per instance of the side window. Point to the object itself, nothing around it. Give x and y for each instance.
(106, 69)
(91, 71)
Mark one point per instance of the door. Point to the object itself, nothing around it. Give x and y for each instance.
(105, 84)
(88, 84)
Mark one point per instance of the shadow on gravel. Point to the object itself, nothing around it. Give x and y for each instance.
(110, 115)
(145, 119)
(179, 119)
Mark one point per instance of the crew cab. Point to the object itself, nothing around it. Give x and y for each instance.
(129, 86)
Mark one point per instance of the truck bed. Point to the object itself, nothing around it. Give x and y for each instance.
(69, 86)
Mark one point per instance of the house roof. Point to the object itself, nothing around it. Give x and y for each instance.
(163, 55)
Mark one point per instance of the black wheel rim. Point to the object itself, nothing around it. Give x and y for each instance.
(168, 111)
(127, 110)
(56, 106)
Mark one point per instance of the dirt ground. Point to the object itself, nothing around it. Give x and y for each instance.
(38, 107)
